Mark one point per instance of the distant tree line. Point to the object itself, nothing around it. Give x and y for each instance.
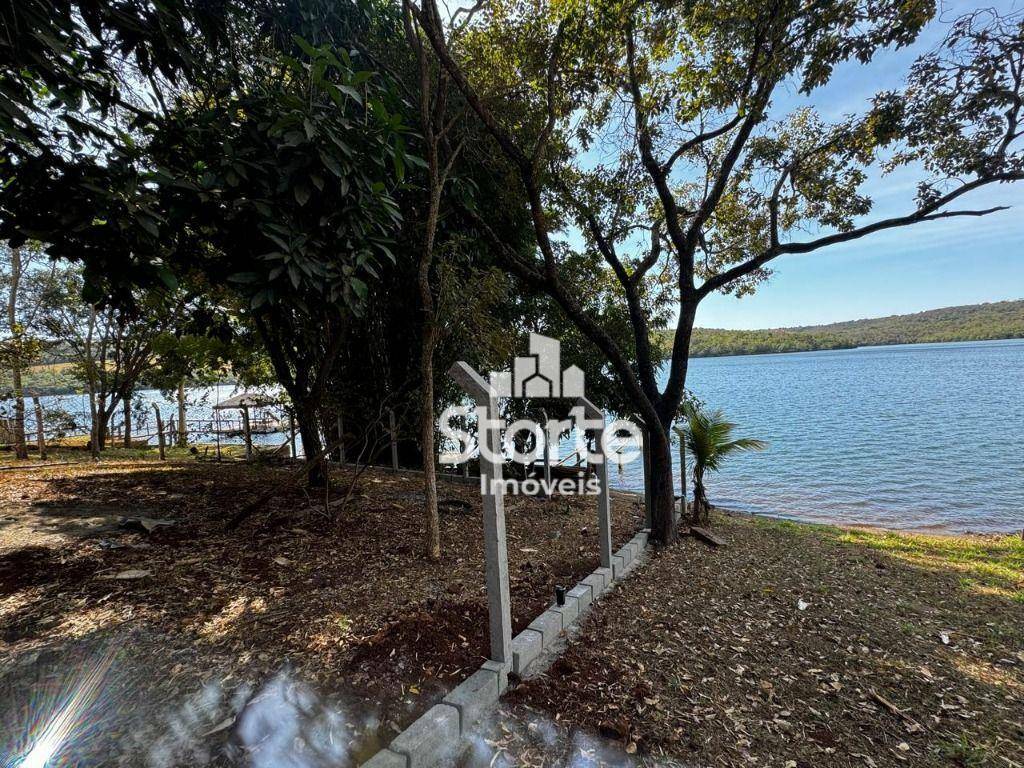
(975, 322)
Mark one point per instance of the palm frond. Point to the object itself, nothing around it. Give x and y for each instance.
(708, 436)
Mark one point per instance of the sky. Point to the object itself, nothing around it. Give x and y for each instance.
(929, 265)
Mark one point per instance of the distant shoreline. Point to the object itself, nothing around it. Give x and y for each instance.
(854, 346)
(996, 321)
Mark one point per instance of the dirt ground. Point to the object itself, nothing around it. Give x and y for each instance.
(794, 646)
(301, 639)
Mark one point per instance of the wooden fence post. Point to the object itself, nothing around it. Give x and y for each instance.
(159, 431)
(247, 431)
(394, 439)
(40, 435)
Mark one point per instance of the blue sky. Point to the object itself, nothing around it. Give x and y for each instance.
(935, 264)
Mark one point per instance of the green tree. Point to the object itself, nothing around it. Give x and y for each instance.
(20, 346)
(269, 166)
(648, 129)
(709, 442)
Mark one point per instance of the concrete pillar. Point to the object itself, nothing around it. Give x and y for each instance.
(604, 502)
(495, 545)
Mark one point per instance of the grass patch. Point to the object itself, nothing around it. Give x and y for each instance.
(988, 563)
(74, 449)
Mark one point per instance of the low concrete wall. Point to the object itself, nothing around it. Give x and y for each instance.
(438, 736)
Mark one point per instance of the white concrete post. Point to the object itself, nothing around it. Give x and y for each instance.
(495, 545)
(604, 502)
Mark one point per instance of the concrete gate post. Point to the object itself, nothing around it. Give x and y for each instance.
(495, 545)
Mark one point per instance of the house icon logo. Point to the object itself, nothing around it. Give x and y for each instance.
(539, 374)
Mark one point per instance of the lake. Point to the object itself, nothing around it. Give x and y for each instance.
(922, 436)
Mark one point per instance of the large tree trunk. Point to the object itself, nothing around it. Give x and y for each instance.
(128, 420)
(20, 448)
(662, 484)
(101, 423)
(94, 420)
(182, 423)
(312, 445)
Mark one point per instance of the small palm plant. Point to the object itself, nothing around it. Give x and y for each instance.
(709, 441)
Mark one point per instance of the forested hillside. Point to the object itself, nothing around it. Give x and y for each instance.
(974, 322)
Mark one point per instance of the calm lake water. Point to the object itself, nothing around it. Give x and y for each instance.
(922, 436)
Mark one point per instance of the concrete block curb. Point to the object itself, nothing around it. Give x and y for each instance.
(569, 612)
(387, 759)
(473, 696)
(526, 646)
(501, 670)
(431, 738)
(626, 553)
(618, 566)
(583, 595)
(549, 624)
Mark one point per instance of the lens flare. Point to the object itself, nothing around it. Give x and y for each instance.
(70, 714)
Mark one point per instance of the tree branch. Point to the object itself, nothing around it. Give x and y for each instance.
(929, 212)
